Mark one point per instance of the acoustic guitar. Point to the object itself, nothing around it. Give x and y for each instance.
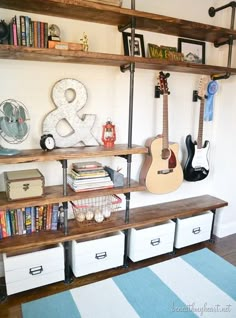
(197, 166)
(161, 171)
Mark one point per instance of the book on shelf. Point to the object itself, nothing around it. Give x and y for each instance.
(3, 223)
(99, 179)
(89, 173)
(28, 220)
(23, 31)
(13, 34)
(32, 212)
(89, 185)
(85, 165)
(55, 212)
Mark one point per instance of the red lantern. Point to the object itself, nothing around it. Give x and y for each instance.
(108, 134)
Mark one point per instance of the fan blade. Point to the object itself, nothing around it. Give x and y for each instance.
(6, 127)
(22, 130)
(8, 110)
(22, 113)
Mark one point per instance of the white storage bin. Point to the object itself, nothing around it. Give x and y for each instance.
(151, 241)
(194, 229)
(34, 269)
(97, 254)
(1, 266)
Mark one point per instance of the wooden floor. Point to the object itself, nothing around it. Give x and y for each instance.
(11, 306)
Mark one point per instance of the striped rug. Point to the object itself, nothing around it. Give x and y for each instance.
(199, 284)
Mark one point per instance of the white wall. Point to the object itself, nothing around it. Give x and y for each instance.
(108, 96)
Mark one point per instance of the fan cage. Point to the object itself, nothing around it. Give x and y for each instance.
(16, 104)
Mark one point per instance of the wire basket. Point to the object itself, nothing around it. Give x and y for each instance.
(95, 209)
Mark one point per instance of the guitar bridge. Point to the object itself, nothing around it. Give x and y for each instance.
(165, 171)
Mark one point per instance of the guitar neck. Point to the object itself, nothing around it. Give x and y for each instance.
(165, 122)
(200, 126)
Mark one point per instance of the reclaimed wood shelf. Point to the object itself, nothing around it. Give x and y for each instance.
(141, 216)
(104, 59)
(58, 154)
(112, 15)
(54, 194)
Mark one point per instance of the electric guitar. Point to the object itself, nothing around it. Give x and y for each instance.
(161, 171)
(197, 167)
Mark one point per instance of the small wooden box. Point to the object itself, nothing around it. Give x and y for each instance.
(194, 229)
(146, 242)
(34, 268)
(24, 184)
(97, 254)
(65, 46)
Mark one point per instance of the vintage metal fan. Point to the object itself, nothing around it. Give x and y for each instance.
(14, 124)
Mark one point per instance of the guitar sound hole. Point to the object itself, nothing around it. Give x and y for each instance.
(165, 154)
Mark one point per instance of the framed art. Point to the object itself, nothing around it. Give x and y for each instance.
(194, 51)
(138, 44)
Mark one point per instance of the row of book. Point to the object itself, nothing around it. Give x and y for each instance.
(30, 219)
(91, 175)
(26, 32)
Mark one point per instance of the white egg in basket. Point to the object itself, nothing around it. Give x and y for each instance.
(89, 215)
(80, 217)
(106, 212)
(98, 217)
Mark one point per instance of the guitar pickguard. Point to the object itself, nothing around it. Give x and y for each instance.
(200, 158)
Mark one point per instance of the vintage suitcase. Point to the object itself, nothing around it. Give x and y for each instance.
(24, 184)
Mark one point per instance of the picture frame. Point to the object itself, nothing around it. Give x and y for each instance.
(138, 44)
(194, 51)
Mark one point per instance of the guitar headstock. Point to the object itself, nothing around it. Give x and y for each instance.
(202, 88)
(163, 83)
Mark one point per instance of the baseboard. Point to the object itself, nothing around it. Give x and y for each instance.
(222, 230)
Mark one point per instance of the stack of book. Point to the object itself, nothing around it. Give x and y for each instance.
(26, 32)
(29, 219)
(85, 176)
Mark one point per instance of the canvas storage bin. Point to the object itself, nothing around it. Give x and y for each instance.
(33, 269)
(1, 266)
(98, 254)
(24, 184)
(193, 229)
(146, 242)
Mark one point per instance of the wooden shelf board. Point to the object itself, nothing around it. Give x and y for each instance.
(117, 60)
(112, 15)
(54, 194)
(38, 155)
(142, 216)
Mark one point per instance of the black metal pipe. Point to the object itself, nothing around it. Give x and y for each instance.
(212, 11)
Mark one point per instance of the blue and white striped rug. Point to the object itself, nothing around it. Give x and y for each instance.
(199, 284)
